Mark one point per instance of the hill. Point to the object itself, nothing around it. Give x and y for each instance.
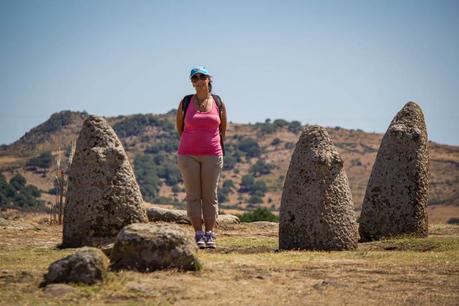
(256, 162)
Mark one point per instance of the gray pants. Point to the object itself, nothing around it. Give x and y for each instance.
(200, 175)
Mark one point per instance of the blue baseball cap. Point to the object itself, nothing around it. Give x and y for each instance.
(199, 69)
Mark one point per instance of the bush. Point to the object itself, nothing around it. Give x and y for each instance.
(275, 141)
(255, 199)
(229, 162)
(18, 182)
(247, 183)
(250, 147)
(260, 168)
(280, 123)
(44, 160)
(294, 127)
(259, 214)
(147, 176)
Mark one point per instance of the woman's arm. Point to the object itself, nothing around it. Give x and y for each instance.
(179, 122)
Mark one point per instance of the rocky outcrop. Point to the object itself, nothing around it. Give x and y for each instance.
(88, 265)
(396, 197)
(154, 246)
(103, 195)
(157, 214)
(316, 211)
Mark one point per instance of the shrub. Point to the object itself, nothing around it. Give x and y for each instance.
(229, 162)
(260, 168)
(247, 183)
(250, 147)
(255, 199)
(259, 214)
(275, 141)
(280, 123)
(18, 182)
(44, 160)
(294, 127)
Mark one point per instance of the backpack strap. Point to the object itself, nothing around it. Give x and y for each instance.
(219, 102)
(185, 103)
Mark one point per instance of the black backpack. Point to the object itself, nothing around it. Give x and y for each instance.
(218, 100)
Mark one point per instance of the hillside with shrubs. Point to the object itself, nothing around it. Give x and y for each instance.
(256, 162)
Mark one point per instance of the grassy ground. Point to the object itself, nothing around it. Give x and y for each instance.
(247, 269)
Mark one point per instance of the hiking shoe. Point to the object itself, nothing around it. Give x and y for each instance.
(200, 240)
(210, 240)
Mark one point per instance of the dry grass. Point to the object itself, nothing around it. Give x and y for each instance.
(248, 269)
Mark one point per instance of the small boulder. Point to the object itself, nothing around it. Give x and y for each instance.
(227, 219)
(154, 246)
(396, 197)
(157, 214)
(88, 265)
(317, 212)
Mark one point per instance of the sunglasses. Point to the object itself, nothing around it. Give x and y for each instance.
(196, 77)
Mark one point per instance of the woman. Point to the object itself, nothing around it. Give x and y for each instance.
(201, 123)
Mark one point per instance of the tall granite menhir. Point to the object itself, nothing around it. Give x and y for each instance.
(103, 195)
(316, 211)
(395, 201)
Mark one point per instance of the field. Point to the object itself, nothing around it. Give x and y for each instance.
(246, 269)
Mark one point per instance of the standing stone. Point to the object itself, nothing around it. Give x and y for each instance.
(396, 197)
(103, 195)
(316, 211)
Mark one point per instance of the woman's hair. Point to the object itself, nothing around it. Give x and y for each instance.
(210, 84)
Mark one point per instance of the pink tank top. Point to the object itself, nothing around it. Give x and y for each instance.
(201, 135)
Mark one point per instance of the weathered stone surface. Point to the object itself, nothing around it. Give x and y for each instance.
(227, 219)
(154, 246)
(156, 214)
(103, 195)
(88, 265)
(316, 206)
(395, 201)
(15, 224)
(58, 290)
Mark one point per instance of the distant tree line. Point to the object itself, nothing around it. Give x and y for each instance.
(134, 125)
(269, 127)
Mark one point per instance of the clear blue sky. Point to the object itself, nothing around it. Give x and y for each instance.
(352, 64)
